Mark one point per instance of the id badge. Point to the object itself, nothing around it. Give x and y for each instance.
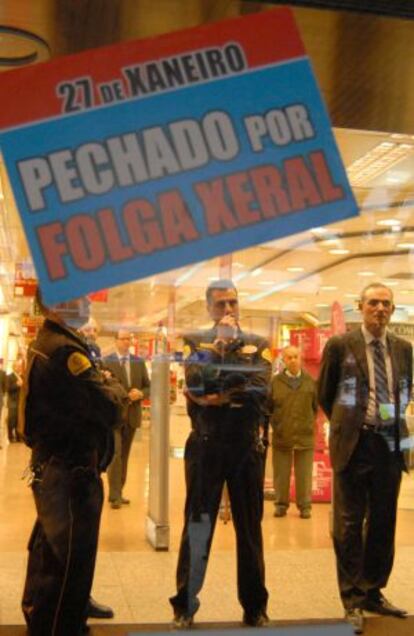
(387, 413)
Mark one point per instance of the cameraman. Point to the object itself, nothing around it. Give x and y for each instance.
(227, 375)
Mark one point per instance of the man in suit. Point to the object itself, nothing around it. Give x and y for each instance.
(364, 388)
(14, 382)
(132, 373)
(3, 386)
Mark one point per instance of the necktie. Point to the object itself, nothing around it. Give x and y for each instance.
(382, 395)
(124, 367)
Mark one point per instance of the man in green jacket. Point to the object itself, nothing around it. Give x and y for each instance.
(293, 422)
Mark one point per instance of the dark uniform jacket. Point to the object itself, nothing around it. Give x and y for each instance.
(242, 370)
(343, 389)
(138, 380)
(69, 410)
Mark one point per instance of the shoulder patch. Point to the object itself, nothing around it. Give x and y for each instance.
(248, 349)
(266, 355)
(186, 352)
(78, 363)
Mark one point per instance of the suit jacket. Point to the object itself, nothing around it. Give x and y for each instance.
(139, 380)
(343, 390)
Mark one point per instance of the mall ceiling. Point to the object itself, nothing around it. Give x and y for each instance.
(363, 62)
(364, 65)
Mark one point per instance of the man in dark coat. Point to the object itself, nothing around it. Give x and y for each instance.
(14, 382)
(69, 412)
(227, 375)
(294, 407)
(3, 390)
(364, 388)
(131, 372)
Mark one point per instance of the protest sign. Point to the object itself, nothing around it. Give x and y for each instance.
(145, 156)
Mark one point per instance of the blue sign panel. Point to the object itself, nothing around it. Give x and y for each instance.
(163, 178)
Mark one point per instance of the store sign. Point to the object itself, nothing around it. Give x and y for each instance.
(142, 157)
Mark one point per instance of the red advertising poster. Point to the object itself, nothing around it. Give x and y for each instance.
(338, 325)
(321, 479)
(311, 341)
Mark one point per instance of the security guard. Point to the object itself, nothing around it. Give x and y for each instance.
(227, 376)
(68, 413)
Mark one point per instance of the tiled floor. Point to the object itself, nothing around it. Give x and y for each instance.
(137, 581)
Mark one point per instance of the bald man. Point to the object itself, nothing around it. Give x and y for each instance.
(293, 422)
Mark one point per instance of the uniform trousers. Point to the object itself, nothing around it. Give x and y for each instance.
(118, 468)
(365, 512)
(211, 462)
(62, 549)
(302, 459)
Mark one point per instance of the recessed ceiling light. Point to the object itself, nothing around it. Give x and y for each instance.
(257, 272)
(392, 283)
(351, 295)
(266, 282)
(319, 230)
(339, 251)
(366, 273)
(408, 246)
(397, 176)
(240, 276)
(328, 287)
(322, 305)
(389, 222)
(331, 241)
(295, 269)
(405, 291)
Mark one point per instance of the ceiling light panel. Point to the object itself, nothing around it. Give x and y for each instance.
(388, 222)
(377, 161)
